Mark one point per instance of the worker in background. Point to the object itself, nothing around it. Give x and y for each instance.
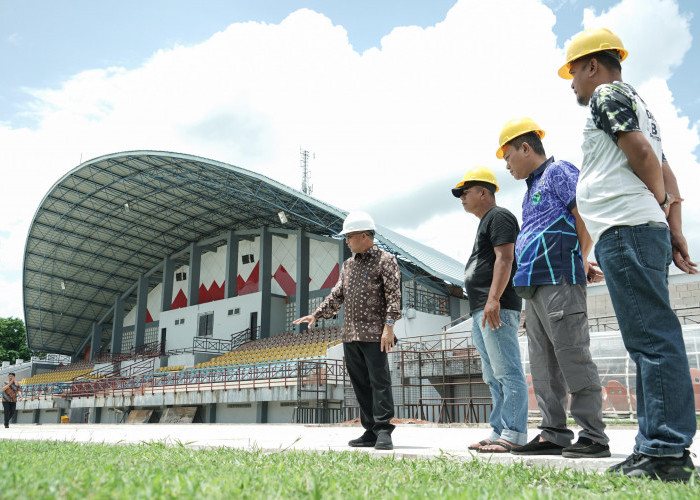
(369, 288)
(10, 390)
(629, 200)
(552, 251)
(495, 310)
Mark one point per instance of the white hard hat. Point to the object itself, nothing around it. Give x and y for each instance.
(358, 221)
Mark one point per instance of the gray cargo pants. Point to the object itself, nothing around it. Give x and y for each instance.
(560, 362)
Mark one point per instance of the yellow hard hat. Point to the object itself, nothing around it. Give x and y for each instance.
(475, 174)
(515, 128)
(588, 42)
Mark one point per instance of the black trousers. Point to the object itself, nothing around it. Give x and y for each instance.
(368, 369)
(9, 409)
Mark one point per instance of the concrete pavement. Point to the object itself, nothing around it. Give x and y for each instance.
(410, 440)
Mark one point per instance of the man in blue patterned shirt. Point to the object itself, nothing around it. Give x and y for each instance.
(550, 251)
(630, 201)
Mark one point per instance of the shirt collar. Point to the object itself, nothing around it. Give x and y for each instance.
(368, 253)
(531, 178)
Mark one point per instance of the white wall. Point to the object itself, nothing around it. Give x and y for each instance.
(180, 336)
(49, 416)
(323, 258)
(224, 414)
(336, 352)
(278, 414)
(278, 316)
(422, 324)
(110, 416)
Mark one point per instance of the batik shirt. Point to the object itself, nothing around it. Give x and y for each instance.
(369, 288)
(547, 248)
(10, 395)
(609, 193)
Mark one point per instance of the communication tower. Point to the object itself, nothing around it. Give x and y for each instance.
(306, 186)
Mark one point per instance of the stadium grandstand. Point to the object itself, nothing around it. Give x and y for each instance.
(166, 272)
(165, 286)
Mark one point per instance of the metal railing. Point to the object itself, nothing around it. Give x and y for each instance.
(208, 344)
(214, 345)
(426, 301)
(45, 391)
(253, 376)
(240, 338)
(687, 315)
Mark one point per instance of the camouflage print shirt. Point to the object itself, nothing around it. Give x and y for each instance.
(609, 193)
(370, 289)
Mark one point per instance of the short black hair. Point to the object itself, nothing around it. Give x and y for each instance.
(533, 139)
(609, 59)
(12, 373)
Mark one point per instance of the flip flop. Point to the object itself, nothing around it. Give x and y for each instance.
(506, 447)
(483, 442)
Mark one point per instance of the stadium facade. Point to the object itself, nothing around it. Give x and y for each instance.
(176, 260)
(164, 285)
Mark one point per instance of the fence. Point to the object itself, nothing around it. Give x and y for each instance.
(418, 297)
(438, 379)
(252, 376)
(618, 373)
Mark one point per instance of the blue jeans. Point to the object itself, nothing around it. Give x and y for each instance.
(635, 262)
(503, 372)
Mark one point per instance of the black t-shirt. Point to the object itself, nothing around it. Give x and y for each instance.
(498, 227)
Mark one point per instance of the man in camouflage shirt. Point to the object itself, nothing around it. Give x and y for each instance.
(628, 197)
(369, 288)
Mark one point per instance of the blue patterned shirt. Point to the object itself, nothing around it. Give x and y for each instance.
(547, 247)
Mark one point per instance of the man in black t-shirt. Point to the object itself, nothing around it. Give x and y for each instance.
(495, 309)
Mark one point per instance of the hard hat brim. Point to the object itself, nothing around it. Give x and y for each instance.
(564, 70)
(500, 153)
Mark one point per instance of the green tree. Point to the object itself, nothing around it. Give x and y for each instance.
(13, 340)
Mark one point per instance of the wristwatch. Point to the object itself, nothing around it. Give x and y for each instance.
(390, 322)
(666, 203)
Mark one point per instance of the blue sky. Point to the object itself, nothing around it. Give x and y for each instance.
(44, 42)
(406, 93)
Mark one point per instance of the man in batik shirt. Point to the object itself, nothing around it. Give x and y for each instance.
(369, 288)
(10, 391)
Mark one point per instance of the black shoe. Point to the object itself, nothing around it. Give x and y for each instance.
(535, 447)
(7, 426)
(662, 468)
(367, 440)
(586, 448)
(384, 442)
(617, 468)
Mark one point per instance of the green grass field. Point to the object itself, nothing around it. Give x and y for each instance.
(79, 471)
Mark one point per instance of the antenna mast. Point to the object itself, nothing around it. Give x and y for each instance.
(306, 186)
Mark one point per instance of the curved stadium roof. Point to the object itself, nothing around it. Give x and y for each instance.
(116, 217)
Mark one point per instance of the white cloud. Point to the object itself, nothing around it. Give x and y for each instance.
(385, 125)
(656, 35)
